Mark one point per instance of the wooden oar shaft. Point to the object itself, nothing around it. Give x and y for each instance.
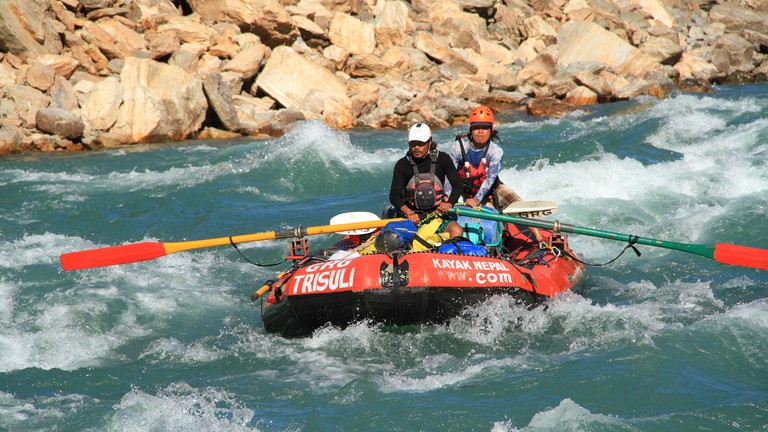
(296, 232)
(723, 253)
(145, 251)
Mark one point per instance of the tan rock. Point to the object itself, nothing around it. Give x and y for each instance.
(308, 29)
(59, 122)
(220, 99)
(7, 75)
(337, 55)
(63, 65)
(23, 27)
(28, 102)
(497, 53)
(268, 19)
(289, 78)
(536, 27)
(737, 18)
(40, 76)
(549, 107)
(366, 66)
(105, 35)
(353, 35)
(459, 28)
(315, 10)
(249, 108)
(693, 67)
(210, 133)
(66, 17)
(63, 95)
(738, 51)
(585, 41)
(163, 44)
(530, 48)
(188, 30)
(540, 70)
(405, 60)
(10, 140)
(127, 39)
(207, 64)
(224, 50)
(152, 111)
(248, 61)
(662, 50)
(658, 10)
(440, 51)
(143, 11)
(234, 81)
(581, 96)
(100, 106)
(594, 82)
(392, 19)
(364, 96)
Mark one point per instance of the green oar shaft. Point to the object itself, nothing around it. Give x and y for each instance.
(703, 250)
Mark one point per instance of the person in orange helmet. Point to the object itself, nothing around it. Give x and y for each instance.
(478, 160)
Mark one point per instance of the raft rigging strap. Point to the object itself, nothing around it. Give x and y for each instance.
(234, 245)
(632, 240)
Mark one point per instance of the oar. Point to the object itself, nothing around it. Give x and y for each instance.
(723, 253)
(145, 251)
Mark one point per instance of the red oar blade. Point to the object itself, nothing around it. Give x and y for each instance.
(112, 255)
(741, 256)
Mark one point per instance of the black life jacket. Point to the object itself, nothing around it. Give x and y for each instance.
(424, 190)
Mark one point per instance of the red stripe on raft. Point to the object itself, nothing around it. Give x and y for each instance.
(741, 256)
(112, 255)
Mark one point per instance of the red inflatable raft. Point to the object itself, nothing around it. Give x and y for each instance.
(409, 288)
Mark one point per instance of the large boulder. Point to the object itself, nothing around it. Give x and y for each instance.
(220, 99)
(297, 83)
(100, 107)
(27, 102)
(353, 35)
(59, 122)
(268, 19)
(153, 111)
(23, 26)
(443, 53)
(580, 41)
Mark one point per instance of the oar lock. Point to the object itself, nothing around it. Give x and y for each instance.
(297, 232)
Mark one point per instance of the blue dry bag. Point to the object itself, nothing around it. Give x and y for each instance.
(395, 235)
(462, 246)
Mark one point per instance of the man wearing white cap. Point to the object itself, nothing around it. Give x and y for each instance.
(418, 179)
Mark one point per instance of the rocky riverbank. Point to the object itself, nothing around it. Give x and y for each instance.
(83, 74)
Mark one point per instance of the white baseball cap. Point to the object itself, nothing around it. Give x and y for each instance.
(419, 132)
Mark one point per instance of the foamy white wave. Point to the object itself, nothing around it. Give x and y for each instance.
(36, 249)
(181, 407)
(329, 145)
(742, 330)
(173, 350)
(11, 176)
(494, 320)
(569, 416)
(23, 414)
(431, 374)
(65, 330)
(575, 324)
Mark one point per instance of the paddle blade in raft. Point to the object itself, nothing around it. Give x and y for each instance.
(113, 255)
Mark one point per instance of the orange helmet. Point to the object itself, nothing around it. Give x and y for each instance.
(481, 115)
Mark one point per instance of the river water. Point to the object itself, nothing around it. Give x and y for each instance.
(668, 341)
